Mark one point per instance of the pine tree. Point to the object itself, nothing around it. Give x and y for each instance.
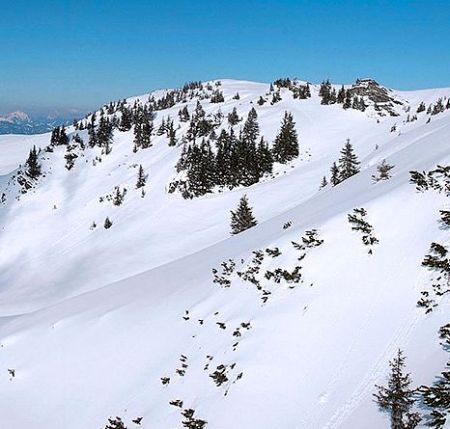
(108, 223)
(242, 218)
(91, 131)
(33, 169)
(341, 95)
(348, 162)
(104, 134)
(146, 131)
(437, 396)
(323, 183)
(118, 197)
(397, 398)
(233, 117)
(383, 170)
(285, 147)
(125, 120)
(335, 175)
(348, 100)
(264, 157)
(250, 131)
(141, 180)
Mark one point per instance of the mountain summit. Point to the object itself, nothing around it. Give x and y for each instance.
(228, 254)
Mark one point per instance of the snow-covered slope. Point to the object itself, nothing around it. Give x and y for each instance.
(92, 318)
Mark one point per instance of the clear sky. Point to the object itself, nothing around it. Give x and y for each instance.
(80, 54)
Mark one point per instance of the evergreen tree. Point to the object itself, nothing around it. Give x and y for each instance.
(116, 423)
(383, 170)
(323, 183)
(59, 137)
(397, 398)
(285, 147)
(264, 157)
(201, 172)
(341, 95)
(104, 134)
(348, 100)
(108, 223)
(91, 131)
(184, 114)
(335, 175)
(141, 180)
(250, 131)
(348, 162)
(242, 218)
(233, 117)
(146, 131)
(171, 133)
(33, 169)
(325, 92)
(118, 196)
(125, 120)
(437, 396)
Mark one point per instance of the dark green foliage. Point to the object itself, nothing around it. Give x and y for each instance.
(347, 101)
(261, 101)
(217, 97)
(219, 375)
(359, 224)
(108, 223)
(324, 182)
(327, 93)
(276, 97)
(419, 179)
(143, 129)
(383, 170)
(437, 396)
(59, 137)
(141, 180)
(341, 95)
(104, 134)
(191, 422)
(233, 117)
(183, 114)
(285, 147)
(223, 278)
(116, 423)
(118, 196)
(348, 162)
(421, 107)
(242, 218)
(33, 168)
(236, 161)
(91, 131)
(335, 175)
(445, 217)
(200, 125)
(397, 398)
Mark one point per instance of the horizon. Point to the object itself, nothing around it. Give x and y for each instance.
(73, 55)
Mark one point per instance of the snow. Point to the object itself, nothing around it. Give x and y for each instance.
(92, 319)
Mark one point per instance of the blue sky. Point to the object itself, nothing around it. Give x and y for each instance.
(80, 54)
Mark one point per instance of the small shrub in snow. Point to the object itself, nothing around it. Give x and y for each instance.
(358, 222)
(383, 170)
(107, 224)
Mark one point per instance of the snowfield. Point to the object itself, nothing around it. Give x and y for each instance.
(91, 319)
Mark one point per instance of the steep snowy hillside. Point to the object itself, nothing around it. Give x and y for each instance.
(295, 327)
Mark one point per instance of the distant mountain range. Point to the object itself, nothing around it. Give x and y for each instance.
(19, 122)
